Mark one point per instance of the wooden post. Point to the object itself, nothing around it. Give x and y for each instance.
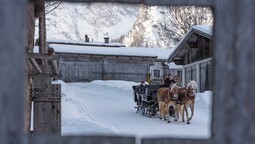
(37, 67)
(47, 103)
(234, 64)
(42, 31)
(29, 45)
(12, 69)
(42, 89)
(56, 110)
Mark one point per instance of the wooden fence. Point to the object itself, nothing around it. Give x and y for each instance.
(234, 71)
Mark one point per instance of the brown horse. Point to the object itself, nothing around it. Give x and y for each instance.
(187, 99)
(182, 99)
(167, 97)
(191, 95)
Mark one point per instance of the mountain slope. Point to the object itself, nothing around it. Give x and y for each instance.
(72, 21)
(151, 29)
(132, 25)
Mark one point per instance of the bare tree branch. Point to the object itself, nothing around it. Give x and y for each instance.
(49, 5)
(183, 18)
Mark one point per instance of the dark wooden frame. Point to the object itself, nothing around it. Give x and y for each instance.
(234, 69)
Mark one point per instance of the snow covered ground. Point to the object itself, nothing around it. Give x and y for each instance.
(107, 107)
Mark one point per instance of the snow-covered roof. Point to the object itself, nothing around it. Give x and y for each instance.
(79, 42)
(160, 53)
(203, 30)
(174, 66)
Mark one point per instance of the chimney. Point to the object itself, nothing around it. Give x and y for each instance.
(106, 40)
(86, 38)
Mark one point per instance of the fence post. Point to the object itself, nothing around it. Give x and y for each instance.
(47, 103)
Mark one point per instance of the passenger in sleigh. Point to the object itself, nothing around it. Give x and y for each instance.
(142, 88)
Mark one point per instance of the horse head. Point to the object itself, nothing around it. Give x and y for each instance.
(191, 87)
(173, 91)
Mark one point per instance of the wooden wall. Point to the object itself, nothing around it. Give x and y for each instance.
(74, 68)
(202, 51)
(234, 81)
(202, 73)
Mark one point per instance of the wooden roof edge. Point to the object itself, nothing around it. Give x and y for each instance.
(104, 55)
(87, 44)
(187, 36)
(178, 47)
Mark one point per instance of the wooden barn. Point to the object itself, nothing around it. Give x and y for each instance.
(87, 61)
(194, 53)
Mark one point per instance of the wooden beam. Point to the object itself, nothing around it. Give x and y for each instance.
(91, 139)
(42, 56)
(150, 2)
(178, 62)
(175, 141)
(12, 68)
(55, 67)
(35, 64)
(69, 55)
(193, 44)
(234, 68)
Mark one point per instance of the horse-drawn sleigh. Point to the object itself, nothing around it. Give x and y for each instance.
(153, 98)
(145, 97)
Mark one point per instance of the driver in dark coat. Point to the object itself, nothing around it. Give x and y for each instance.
(169, 81)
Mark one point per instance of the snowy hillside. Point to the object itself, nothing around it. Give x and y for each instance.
(132, 25)
(151, 29)
(107, 107)
(71, 21)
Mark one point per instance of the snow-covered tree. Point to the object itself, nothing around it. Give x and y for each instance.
(183, 18)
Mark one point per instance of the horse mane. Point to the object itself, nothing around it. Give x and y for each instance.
(192, 83)
(172, 87)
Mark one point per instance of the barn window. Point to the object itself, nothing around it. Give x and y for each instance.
(156, 73)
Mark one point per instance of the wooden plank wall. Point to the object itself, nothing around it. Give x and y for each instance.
(234, 68)
(78, 68)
